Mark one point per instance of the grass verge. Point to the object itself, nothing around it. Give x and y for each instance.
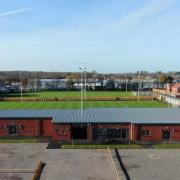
(101, 146)
(21, 140)
(166, 146)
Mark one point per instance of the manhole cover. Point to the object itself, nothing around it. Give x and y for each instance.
(154, 156)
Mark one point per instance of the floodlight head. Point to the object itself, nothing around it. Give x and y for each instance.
(82, 69)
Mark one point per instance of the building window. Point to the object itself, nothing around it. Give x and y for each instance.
(145, 133)
(110, 133)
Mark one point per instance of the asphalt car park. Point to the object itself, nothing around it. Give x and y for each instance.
(152, 164)
(61, 164)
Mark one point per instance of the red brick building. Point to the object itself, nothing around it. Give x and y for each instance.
(172, 89)
(94, 125)
(175, 88)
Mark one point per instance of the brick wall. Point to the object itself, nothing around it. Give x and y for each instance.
(61, 132)
(24, 127)
(27, 127)
(156, 132)
(46, 127)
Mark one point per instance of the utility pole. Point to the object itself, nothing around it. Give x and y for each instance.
(21, 88)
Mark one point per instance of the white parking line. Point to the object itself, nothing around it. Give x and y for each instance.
(118, 178)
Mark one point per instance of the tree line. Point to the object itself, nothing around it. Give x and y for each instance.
(14, 76)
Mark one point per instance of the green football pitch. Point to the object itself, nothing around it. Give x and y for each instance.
(66, 94)
(76, 104)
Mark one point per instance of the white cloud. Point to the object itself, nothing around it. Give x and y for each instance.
(149, 9)
(9, 13)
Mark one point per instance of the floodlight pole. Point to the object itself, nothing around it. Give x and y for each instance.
(85, 83)
(35, 83)
(81, 95)
(81, 69)
(20, 76)
(138, 90)
(126, 83)
(28, 85)
(83, 74)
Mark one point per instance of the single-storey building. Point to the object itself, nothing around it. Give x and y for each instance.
(94, 125)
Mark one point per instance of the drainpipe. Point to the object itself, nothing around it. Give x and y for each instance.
(131, 131)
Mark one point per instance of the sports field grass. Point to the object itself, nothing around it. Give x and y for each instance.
(76, 104)
(70, 94)
(89, 94)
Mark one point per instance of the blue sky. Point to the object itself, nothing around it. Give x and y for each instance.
(103, 35)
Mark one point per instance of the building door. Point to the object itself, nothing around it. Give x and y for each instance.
(12, 129)
(79, 132)
(166, 134)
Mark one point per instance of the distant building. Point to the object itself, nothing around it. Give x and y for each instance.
(176, 81)
(171, 94)
(12, 87)
(48, 84)
(172, 90)
(175, 88)
(53, 83)
(90, 84)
